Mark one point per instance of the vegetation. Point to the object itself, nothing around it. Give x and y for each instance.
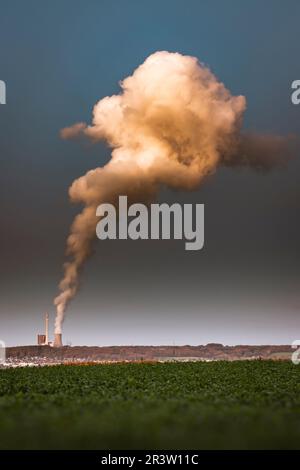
(249, 404)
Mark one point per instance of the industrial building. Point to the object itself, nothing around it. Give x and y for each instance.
(43, 339)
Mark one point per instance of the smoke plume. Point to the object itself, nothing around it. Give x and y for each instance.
(172, 124)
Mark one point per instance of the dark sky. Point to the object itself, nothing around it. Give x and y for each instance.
(58, 59)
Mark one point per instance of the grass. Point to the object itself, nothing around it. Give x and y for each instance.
(217, 405)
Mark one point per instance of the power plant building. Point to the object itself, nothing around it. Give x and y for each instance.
(41, 340)
(57, 341)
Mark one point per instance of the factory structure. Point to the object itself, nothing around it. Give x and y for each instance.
(43, 339)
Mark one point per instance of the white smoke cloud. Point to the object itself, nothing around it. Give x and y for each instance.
(172, 124)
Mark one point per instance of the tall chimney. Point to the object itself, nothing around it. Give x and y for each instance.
(46, 329)
(57, 340)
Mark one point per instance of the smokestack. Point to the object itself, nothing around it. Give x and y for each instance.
(46, 328)
(57, 340)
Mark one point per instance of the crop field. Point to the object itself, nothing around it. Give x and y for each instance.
(216, 405)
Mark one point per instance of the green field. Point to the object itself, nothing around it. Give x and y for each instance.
(250, 404)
